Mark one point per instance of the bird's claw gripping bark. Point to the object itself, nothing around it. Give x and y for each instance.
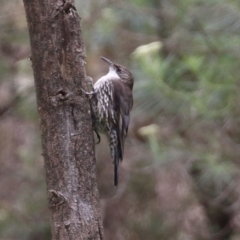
(98, 137)
(88, 93)
(91, 91)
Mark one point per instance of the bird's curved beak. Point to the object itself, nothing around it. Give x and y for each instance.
(107, 60)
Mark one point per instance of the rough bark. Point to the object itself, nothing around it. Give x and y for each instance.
(67, 138)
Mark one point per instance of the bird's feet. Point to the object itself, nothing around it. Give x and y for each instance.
(90, 88)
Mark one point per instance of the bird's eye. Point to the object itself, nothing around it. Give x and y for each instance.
(119, 69)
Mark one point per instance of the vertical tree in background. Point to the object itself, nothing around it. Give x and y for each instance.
(68, 147)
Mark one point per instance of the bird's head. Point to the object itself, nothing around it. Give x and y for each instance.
(124, 74)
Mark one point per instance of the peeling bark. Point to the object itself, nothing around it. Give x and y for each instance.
(67, 138)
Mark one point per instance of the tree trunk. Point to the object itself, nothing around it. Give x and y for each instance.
(67, 137)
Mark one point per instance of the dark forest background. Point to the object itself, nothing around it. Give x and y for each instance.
(180, 176)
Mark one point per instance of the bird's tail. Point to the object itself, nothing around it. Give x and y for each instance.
(116, 152)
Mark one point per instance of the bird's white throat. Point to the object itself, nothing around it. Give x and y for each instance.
(112, 73)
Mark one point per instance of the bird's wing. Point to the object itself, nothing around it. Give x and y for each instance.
(123, 102)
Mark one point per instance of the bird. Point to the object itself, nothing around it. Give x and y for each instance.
(112, 101)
